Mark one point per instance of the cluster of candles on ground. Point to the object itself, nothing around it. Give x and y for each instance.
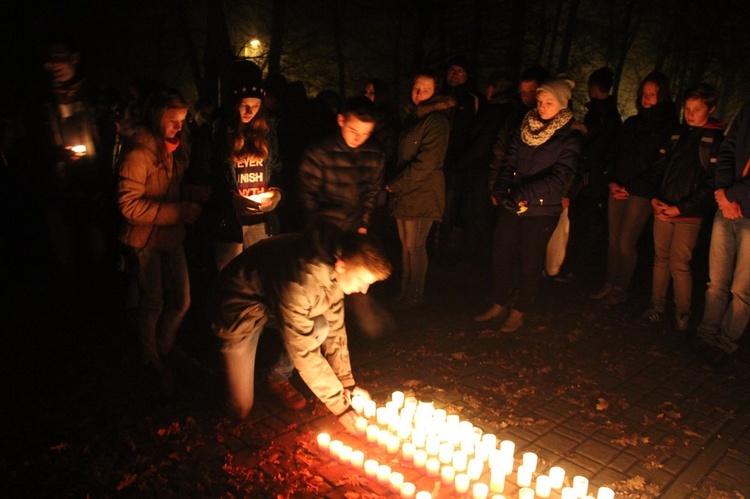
(456, 452)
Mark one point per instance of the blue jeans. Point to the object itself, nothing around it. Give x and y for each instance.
(163, 301)
(728, 295)
(239, 349)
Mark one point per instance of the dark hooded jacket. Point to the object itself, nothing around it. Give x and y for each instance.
(419, 187)
(734, 157)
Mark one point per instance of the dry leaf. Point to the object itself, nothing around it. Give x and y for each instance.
(603, 405)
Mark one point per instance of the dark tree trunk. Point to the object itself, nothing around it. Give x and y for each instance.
(553, 41)
(514, 56)
(570, 28)
(339, 47)
(543, 32)
(218, 54)
(195, 64)
(628, 35)
(277, 37)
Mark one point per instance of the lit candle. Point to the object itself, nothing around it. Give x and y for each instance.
(372, 432)
(382, 416)
(439, 415)
(361, 425)
(407, 451)
(345, 454)
(418, 437)
(258, 198)
(433, 445)
(480, 491)
(447, 475)
(543, 486)
(465, 427)
(324, 440)
(475, 469)
(404, 430)
(482, 451)
(408, 489)
(467, 445)
(459, 460)
(523, 477)
(489, 440)
(568, 493)
(420, 458)
(462, 483)
(556, 477)
(79, 150)
(526, 493)
(383, 473)
(605, 493)
(423, 494)
(398, 398)
(433, 467)
(383, 437)
(446, 453)
(410, 402)
(508, 446)
(395, 481)
(393, 444)
(497, 481)
(357, 458)
(358, 404)
(370, 408)
(581, 485)
(505, 463)
(530, 460)
(452, 419)
(335, 446)
(371, 468)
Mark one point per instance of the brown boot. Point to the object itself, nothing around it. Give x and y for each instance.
(287, 395)
(494, 312)
(513, 322)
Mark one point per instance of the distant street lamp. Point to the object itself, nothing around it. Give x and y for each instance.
(252, 48)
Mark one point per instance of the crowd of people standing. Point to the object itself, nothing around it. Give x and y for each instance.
(485, 178)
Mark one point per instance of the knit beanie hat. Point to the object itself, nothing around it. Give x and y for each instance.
(560, 86)
(246, 80)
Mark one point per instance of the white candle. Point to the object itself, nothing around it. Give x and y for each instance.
(480, 491)
(398, 398)
(361, 424)
(420, 458)
(605, 493)
(370, 408)
(335, 446)
(418, 437)
(568, 493)
(345, 454)
(407, 451)
(439, 415)
(395, 481)
(324, 440)
(581, 485)
(543, 486)
(372, 432)
(447, 475)
(383, 473)
(382, 416)
(526, 493)
(556, 477)
(475, 469)
(462, 483)
(506, 463)
(467, 445)
(357, 458)
(452, 419)
(358, 404)
(393, 444)
(404, 430)
(410, 402)
(433, 467)
(508, 446)
(497, 481)
(459, 460)
(383, 436)
(465, 427)
(408, 490)
(433, 445)
(489, 440)
(445, 454)
(523, 477)
(371, 468)
(423, 494)
(482, 451)
(530, 460)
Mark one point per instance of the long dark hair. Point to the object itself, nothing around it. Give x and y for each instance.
(247, 140)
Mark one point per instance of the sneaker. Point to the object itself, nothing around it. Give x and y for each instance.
(287, 395)
(513, 323)
(494, 312)
(653, 315)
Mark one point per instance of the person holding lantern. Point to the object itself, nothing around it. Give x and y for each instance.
(534, 173)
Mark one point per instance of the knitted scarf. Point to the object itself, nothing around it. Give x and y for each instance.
(535, 131)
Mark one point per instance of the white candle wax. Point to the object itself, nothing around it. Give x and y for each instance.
(418, 437)
(475, 469)
(605, 493)
(526, 493)
(452, 419)
(447, 475)
(523, 476)
(530, 460)
(439, 415)
(445, 455)
(398, 398)
(568, 493)
(508, 446)
(543, 486)
(506, 463)
(489, 440)
(361, 425)
(408, 490)
(324, 440)
(581, 485)
(372, 432)
(423, 494)
(382, 416)
(410, 402)
(383, 436)
(459, 460)
(497, 481)
(371, 468)
(345, 454)
(465, 427)
(482, 451)
(383, 473)
(358, 404)
(393, 444)
(495, 459)
(370, 409)
(357, 458)
(420, 458)
(480, 491)
(462, 483)
(334, 447)
(467, 445)
(407, 451)
(556, 477)
(395, 481)
(407, 416)
(476, 433)
(432, 467)
(432, 445)
(404, 430)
